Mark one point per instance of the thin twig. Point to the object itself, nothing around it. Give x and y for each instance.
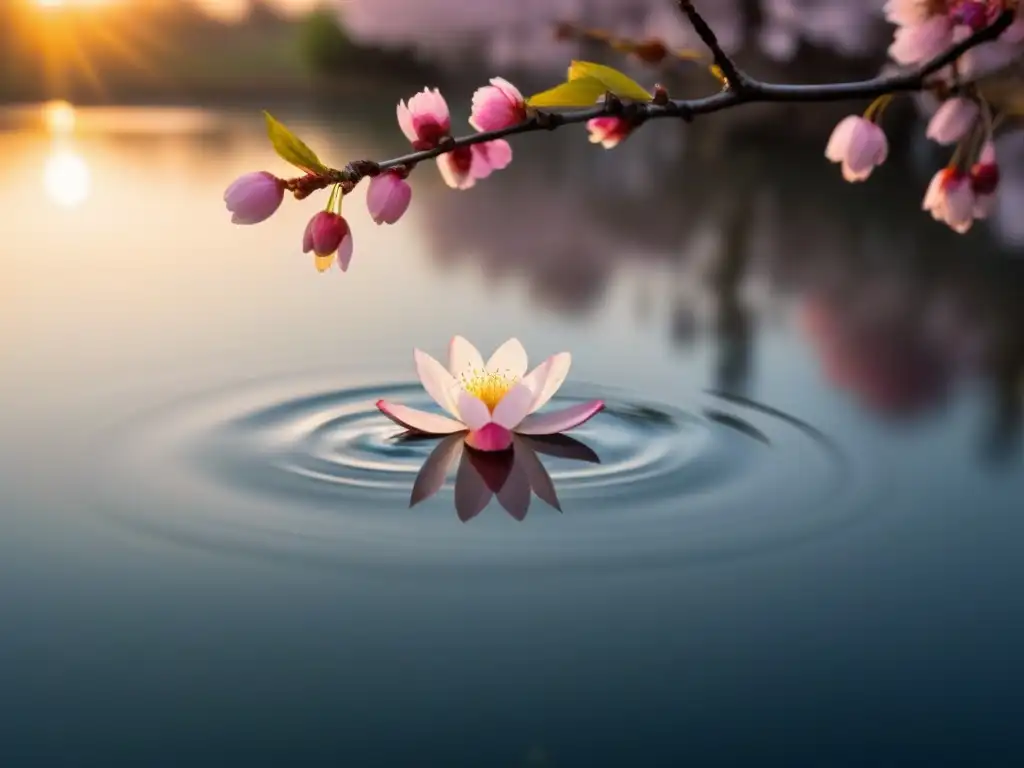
(735, 79)
(751, 91)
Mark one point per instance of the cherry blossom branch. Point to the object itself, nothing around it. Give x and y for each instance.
(739, 88)
(613, 106)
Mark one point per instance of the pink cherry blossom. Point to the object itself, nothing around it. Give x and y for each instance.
(985, 181)
(906, 12)
(489, 157)
(919, 42)
(859, 145)
(973, 14)
(326, 234)
(609, 132)
(425, 120)
(496, 106)
(254, 197)
(950, 199)
(491, 401)
(456, 168)
(463, 167)
(388, 197)
(953, 120)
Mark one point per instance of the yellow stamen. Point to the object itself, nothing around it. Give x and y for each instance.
(488, 386)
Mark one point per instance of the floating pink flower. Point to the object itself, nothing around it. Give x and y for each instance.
(326, 234)
(859, 145)
(950, 199)
(491, 401)
(952, 121)
(496, 106)
(609, 132)
(388, 197)
(254, 197)
(425, 120)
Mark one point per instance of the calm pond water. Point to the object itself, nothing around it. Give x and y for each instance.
(793, 538)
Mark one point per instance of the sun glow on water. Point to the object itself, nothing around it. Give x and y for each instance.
(60, 117)
(66, 178)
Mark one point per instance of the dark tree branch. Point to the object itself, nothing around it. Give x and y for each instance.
(735, 79)
(742, 89)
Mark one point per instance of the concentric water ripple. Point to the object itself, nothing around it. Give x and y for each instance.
(317, 473)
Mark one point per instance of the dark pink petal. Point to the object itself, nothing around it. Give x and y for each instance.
(491, 437)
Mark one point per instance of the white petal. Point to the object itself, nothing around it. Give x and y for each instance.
(472, 411)
(509, 358)
(933, 193)
(463, 356)
(439, 384)
(546, 378)
(419, 421)
(513, 407)
(559, 421)
(405, 121)
(849, 174)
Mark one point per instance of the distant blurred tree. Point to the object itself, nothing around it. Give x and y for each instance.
(325, 45)
(328, 49)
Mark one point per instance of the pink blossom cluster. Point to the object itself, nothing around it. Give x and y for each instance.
(426, 121)
(926, 28)
(965, 189)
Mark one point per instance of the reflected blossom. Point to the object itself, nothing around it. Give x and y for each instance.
(512, 476)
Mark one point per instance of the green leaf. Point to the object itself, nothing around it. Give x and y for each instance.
(291, 148)
(581, 92)
(611, 79)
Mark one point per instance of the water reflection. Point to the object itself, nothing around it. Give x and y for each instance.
(66, 176)
(513, 475)
(899, 312)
